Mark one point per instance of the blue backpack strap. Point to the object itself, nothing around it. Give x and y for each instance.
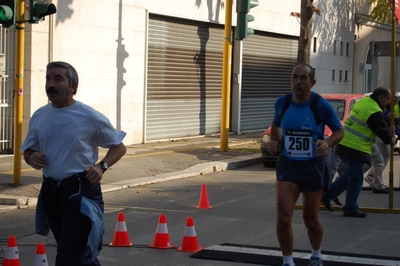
(286, 104)
(313, 107)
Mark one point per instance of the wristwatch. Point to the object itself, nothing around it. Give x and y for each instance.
(104, 166)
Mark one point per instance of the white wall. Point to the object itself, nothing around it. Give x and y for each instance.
(36, 57)
(335, 25)
(272, 16)
(365, 35)
(94, 36)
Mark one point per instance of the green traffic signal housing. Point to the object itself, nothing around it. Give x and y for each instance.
(38, 9)
(7, 13)
(242, 9)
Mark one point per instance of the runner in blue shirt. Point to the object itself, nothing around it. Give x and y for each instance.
(300, 118)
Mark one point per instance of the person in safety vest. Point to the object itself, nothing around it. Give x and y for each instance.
(300, 118)
(380, 155)
(364, 123)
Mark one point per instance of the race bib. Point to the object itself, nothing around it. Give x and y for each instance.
(299, 143)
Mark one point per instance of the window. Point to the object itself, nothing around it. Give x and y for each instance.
(345, 76)
(334, 47)
(340, 75)
(347, 49)
(333, 75)
(315, 45)
(341, 48)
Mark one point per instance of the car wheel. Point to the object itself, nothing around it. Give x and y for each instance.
(268, 163)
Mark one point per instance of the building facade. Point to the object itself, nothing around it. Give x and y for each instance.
(154, 68)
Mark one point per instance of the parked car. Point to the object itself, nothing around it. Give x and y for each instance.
(341, 103)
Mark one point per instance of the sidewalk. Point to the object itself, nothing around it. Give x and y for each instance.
(142, 164)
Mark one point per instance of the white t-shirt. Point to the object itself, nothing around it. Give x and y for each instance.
(69, 137)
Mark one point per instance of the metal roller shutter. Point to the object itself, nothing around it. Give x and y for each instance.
(268, 61)
(184, 78)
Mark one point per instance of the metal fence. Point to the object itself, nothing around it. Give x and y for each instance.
(7, 59)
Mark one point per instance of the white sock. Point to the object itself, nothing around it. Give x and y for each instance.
(316, 253)
(288, 260)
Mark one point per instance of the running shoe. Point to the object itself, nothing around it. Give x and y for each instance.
(315, 262)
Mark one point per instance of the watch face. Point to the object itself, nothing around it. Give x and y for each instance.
(104, 166)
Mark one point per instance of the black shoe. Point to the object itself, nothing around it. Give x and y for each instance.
(355, 213)
(380, 191)
(327, 205)
(337, 202)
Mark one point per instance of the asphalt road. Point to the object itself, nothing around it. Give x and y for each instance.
(243, 213)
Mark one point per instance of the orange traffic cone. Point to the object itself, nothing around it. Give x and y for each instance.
(161, 239)
(40, 257)
(121, 237)
(11, 257)
(203, 201)
(190, 242)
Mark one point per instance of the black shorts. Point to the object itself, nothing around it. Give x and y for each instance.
(310, 175)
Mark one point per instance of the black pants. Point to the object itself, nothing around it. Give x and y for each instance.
(69, 226)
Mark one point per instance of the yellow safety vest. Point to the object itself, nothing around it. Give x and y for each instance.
(357, 134)
(396, 110)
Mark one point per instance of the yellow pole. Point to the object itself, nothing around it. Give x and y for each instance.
(392, 85)
(226, 77)
(19, 89)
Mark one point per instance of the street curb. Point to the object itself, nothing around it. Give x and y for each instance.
(16, 202)
(199, 169)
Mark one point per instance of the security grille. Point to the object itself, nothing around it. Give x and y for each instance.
(184, 78)
(268, 61)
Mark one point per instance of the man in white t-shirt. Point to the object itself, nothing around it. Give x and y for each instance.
(63, 140)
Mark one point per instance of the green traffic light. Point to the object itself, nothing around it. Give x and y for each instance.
(6, 13)
(38, 9)
(253, 3)
(242, 9)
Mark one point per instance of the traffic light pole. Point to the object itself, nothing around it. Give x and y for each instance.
(226, 77)
(392, 88)
(19, 89)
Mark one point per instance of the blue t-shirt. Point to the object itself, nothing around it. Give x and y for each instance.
(299, 129)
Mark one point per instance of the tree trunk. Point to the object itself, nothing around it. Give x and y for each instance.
(304, 49)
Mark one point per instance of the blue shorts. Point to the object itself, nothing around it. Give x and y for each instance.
(310, 175)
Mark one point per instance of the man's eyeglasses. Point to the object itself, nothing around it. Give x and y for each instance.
(301, 78)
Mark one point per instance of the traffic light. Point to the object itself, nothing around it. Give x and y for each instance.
(242, 8)
(38, 9)
(7, 13)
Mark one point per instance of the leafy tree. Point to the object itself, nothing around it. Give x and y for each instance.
(381, 12)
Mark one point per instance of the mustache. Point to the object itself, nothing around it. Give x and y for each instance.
(52, 90)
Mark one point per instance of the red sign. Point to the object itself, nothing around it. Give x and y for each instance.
(396, 9)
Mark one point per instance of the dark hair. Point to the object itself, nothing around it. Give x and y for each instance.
(381, 90)
(312, 70)
(71, 72)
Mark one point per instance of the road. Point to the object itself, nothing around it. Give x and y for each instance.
(242, 213)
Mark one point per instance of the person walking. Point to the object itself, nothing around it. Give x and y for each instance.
(380, 153)
(365, 122)
(380, 156)
(63, 140)
(300, 118)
